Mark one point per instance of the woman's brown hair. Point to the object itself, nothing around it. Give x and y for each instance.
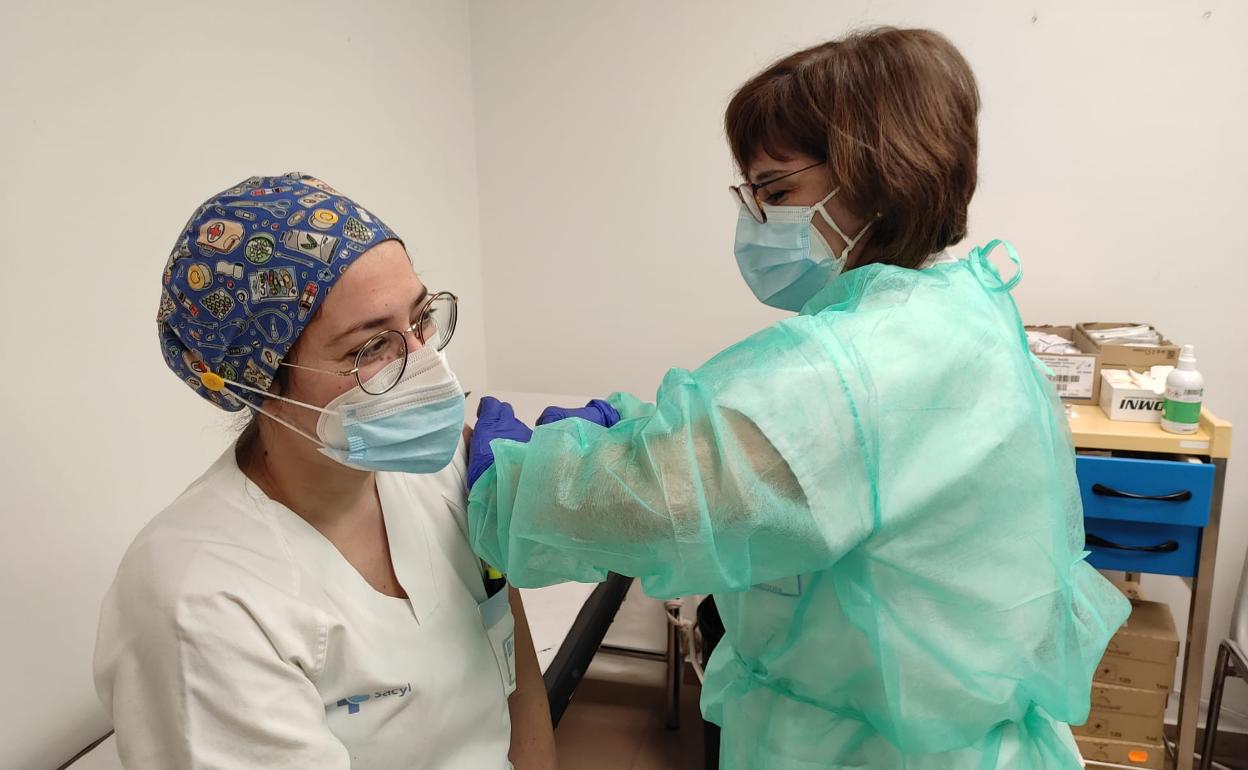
(893, 113)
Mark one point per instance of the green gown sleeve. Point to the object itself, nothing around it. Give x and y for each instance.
(752, 468)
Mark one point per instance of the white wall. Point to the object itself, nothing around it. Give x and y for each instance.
(117, 120)
(1112, 156)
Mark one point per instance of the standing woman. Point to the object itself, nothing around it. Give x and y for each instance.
(880, 490)
(311, 601)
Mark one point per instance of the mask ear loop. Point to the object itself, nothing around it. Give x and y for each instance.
(850, 243)
(217, 384)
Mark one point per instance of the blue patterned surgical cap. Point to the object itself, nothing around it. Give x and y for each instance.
(247, 274)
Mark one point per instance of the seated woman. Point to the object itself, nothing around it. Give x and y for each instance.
(311, 600)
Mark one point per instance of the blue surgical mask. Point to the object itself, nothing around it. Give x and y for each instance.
(413, 428)
(786, 261)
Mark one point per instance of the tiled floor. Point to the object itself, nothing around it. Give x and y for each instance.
(612, 725)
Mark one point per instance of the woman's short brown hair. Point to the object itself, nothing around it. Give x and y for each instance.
(893, 112)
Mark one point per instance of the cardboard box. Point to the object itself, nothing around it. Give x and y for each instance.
(1129, 402)
(1147, 755)
(1134, 728)
(1077, 376)
(1126, 356)
(1142, 674)
(1112, 699)
(1144, 653)
(1148, 635)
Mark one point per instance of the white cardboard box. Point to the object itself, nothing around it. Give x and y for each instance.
(1129, 402)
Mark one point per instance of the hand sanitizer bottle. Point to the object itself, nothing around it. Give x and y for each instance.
(1185, 389)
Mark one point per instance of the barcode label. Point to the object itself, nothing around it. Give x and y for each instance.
(1071, 374)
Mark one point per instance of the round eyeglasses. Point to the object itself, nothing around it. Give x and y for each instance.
(380, 363)
(747, 193)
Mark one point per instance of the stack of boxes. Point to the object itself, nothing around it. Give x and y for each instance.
(1118, 395)
(1131, 688)
(1096, 373)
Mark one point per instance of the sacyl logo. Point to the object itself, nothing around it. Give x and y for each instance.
(352, 703)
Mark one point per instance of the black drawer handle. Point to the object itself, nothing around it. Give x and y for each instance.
(1175, 497)
(1170, 546)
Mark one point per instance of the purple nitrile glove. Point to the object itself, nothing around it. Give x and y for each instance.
(495, 419)
(597, 411)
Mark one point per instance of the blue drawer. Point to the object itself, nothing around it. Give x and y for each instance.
(1188, 485)
(1176, 549)
(1144, 515)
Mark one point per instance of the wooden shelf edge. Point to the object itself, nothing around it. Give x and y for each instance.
(1093, 430)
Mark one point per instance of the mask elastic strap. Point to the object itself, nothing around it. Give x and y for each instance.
(217, 384)
(850, 243)
(280, 421)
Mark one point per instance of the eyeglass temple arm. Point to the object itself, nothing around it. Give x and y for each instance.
(347, 373)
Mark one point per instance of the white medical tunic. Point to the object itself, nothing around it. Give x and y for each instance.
(236, 636)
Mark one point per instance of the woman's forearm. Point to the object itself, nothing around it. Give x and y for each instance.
(532, 737)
